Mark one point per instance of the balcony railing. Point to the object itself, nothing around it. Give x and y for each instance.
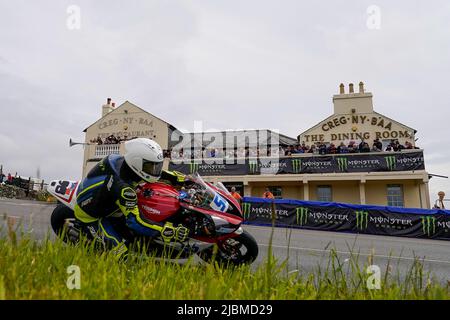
(104, 150)
(305, 164)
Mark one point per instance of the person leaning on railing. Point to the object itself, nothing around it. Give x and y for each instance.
(439, 203)
(268, 195)
(236, 195)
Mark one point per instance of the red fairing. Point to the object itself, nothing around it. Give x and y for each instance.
(158, 201)
(228, 197)
(226, 216)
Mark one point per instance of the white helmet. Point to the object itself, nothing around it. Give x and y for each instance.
(145, 158)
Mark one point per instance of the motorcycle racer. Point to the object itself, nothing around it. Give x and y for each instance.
(108, 191)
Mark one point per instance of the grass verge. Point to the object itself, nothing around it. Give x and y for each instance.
(39, 270)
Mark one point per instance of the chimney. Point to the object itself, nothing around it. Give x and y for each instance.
(107, 108)
(351, 103)
(341, 89)
(351, 88)
(361, 87)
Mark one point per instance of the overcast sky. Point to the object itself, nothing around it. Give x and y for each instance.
(231, 64)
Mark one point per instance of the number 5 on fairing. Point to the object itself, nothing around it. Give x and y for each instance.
(219, 203)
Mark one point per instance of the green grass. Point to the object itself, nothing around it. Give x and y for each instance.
(38, 270)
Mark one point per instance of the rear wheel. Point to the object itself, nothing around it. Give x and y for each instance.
(242, 249)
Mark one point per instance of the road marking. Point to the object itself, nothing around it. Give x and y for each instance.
(358, 254)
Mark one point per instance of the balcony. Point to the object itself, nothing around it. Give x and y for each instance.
(407, 160)
(106, 149)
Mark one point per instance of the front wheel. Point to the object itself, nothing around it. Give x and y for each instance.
(61, 218)
(239, 250)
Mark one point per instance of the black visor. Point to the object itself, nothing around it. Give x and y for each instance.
(152, 168)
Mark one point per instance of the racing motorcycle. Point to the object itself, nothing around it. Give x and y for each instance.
(208, 210)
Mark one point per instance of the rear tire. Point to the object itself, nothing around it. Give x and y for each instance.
(229, 251)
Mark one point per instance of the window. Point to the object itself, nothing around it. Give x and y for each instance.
(324, 193)
(277, 192)
(395, 195)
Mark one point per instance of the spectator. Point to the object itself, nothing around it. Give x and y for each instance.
(389, 148)
(304, 147)
(439, 203)
(352, 148)
(332, 149)
(377, 145)
(10, 178)
(397, 147)
(268, 195)
(297, 149)
(375, 149)
(408, 145)
(236, 194)
(365, 147)
(342, 148)
(322, 148)
(360, 146)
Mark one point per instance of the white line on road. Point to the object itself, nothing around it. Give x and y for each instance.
(356, 254)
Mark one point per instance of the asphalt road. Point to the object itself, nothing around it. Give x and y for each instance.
(304, 250)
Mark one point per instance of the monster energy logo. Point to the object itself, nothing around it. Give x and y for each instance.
(302, 215)
(342, 164)
(253, 166)
(193, 167)
(391, 162)
(296, 165)
(246, 207)
(429, 225)
(362, 219)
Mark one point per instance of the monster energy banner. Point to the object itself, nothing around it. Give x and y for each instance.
(372, 162)
(378, 220)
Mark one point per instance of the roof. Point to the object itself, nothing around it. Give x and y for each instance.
(249, 137)
(170, 125)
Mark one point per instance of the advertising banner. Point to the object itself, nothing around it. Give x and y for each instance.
(415, 223)
(371, 162)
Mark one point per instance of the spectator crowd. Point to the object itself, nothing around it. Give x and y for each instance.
(319, 148)
(111, 139)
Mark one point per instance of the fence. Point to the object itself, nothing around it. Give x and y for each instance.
(330, 216)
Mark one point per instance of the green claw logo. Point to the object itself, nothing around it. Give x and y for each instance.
(253, 166)
(428, 225)
(193, 167)
(362, 219)
(391, 162)
(342, 164)
(296, 165)
(246, 208)
(302, 215)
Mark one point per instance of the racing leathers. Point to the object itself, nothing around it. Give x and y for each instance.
(107, 192)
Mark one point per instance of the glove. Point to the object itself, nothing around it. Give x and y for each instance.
(169, 233)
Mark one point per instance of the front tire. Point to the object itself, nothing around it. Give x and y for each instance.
(60, 216)
(239, 250)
